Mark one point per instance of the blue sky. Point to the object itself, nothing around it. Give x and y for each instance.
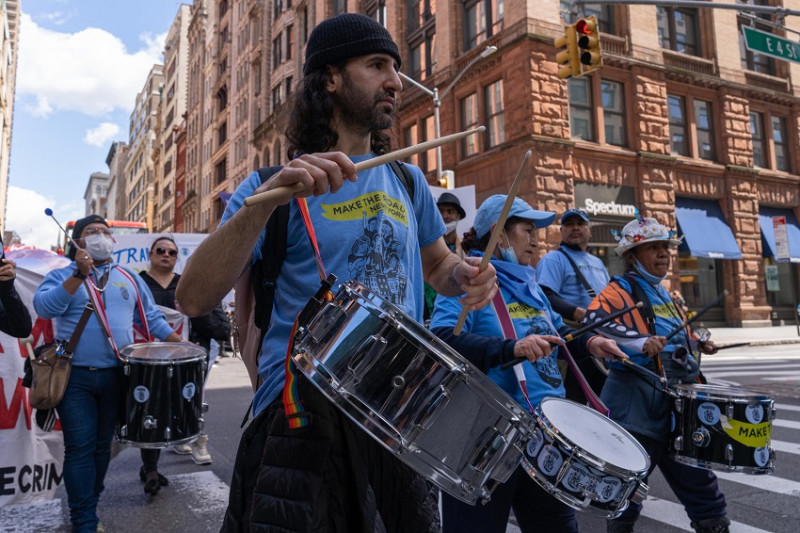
(81, 64)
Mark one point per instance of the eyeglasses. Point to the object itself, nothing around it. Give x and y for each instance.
(164, 251)
(97, 231)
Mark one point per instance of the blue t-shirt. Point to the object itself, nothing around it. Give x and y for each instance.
(555, 272)
(367, 231)
(530, 313)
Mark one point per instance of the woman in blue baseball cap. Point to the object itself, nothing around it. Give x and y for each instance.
(536, 335)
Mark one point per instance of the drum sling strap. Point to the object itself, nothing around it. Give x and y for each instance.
(589, 290)
(95, 294)
(500, 309)
(296, 415)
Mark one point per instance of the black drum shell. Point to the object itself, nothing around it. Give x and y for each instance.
(164, 391)
(702, 407)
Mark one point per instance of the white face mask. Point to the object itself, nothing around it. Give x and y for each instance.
(450, 227)
(99, 247)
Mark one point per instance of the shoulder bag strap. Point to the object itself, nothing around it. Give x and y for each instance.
(76, 335)
(500, 309)
(592, 293)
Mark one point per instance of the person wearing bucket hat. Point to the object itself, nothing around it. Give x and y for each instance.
(570, 277)
(536, 336)
(371, 227)
(89, 409)
(450, 208)
(634, 401)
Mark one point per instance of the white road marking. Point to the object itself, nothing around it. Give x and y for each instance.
(674, 514)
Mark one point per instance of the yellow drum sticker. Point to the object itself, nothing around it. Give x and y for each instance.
(751, 435)
(367, 205)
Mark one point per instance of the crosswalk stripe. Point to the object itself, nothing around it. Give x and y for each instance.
(731, 366)
(787, 407)
(791, 424)
(785, 447)
(755, 372)
(770, 483)
(674, 514)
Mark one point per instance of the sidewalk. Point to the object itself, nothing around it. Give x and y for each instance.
(755, 336)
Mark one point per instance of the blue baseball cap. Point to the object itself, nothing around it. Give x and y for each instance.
(490, 209)
(575, 212)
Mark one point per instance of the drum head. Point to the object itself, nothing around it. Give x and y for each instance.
(595, 434)
(163, 352)
(717, 392)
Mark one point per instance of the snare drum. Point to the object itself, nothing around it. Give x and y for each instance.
(723, 428)
(163, 403)
(412, 393)
(584, 459)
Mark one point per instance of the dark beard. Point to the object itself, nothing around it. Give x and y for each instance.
(359, 110)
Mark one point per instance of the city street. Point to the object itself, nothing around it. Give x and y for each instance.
(196, 497)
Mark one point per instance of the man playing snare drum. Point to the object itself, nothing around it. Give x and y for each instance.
(302, 464)
(635, 402)
(89, 408)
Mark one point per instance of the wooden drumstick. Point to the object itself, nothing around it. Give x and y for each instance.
(498, 228)
(369, 163)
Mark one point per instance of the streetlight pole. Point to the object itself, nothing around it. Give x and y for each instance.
(437, 101)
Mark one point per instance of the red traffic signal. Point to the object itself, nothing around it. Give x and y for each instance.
(589, 43)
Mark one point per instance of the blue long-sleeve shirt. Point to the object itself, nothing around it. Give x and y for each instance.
(119, 298)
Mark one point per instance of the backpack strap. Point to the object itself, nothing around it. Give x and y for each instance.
(592, 293)
(273, 253)
(639, 295)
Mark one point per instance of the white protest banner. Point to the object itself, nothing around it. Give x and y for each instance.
(31, 460)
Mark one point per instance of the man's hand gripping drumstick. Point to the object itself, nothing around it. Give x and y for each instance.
(229, 247)
(294, 189)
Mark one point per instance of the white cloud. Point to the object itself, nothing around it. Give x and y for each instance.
(25, 215)
(100, 135)
(90, 71)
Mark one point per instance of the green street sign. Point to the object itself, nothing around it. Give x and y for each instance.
(765, 43)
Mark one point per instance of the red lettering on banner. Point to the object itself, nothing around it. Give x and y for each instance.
(9, 414)
(42, 333)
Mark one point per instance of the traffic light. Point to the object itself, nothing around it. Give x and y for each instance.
(567, 59)
(589, 43)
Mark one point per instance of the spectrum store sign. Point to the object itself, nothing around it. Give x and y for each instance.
(605, 200)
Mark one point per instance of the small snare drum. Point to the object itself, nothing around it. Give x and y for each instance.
(584, 459)
(163, 385)
(723, 428)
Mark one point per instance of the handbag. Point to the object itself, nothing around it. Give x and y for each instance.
(52, 365)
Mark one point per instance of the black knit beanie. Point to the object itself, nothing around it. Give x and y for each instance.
(344, 36)
(78, 229)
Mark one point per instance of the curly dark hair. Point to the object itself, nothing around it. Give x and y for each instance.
(309, 128)
(470, 241)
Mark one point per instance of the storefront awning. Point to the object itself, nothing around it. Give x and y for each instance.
(706, 232)
(765, 215)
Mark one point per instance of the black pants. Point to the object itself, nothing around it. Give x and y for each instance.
(330, 476)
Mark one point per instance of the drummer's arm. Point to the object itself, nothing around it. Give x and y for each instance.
(483, 352)
(221, 258)
(450, 275)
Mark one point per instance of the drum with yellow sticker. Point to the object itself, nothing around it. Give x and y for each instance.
(723, 428)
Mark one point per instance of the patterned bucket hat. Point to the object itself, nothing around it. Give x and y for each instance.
(641, 230)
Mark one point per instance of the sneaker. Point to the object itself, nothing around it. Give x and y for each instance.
(200, 453)
(101, 528)
(182, 449)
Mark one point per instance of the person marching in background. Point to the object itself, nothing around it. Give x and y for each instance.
(90, 406)
(450, 208)
(636, 402)
(571, 277)
(162, 281)
(15, 320)
(538, 332)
